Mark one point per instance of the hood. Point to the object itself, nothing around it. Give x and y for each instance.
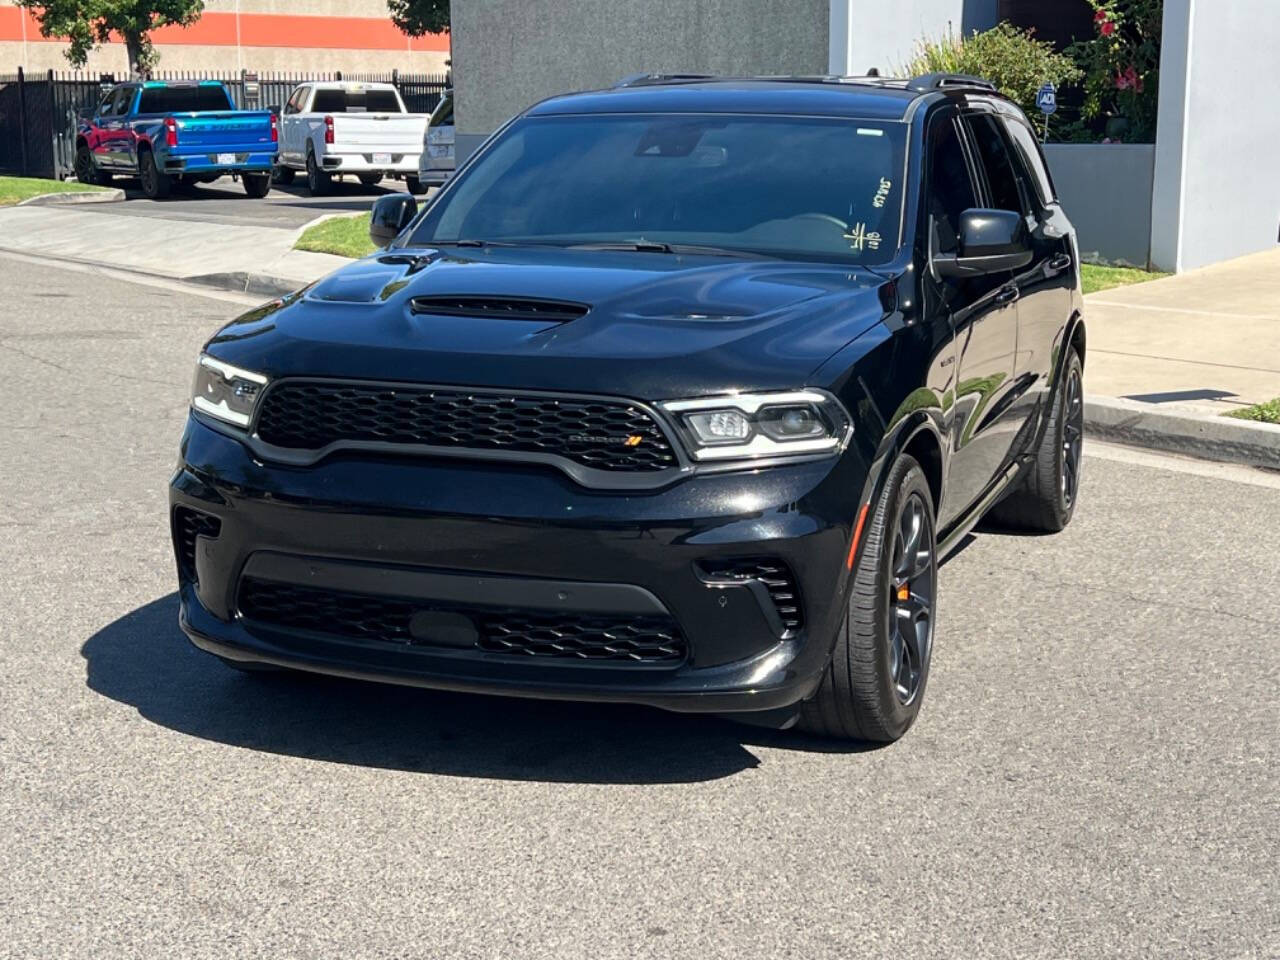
(640, 324)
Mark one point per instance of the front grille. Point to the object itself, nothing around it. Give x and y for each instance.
(610, 435)
(503, 308)
(187, 525)
(776, 577)
(523, 633)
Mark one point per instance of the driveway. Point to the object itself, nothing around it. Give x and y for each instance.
(1095, 774)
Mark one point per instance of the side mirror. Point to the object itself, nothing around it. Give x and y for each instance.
(274, 108)
(391, 214)
(991, 241)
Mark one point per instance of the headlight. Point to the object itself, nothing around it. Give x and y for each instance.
(754, 426)
(226, 392)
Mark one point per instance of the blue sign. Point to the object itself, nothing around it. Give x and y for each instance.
(1047, 99)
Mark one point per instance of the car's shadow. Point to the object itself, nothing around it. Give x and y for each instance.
(143, 660)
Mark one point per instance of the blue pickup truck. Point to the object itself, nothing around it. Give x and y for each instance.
(176, 133)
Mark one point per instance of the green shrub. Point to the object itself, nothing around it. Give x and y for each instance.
(1015, 61)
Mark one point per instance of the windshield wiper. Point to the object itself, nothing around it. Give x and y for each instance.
(657, 246)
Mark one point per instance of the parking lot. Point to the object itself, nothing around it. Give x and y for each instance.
(1094, 774)
(224, 201)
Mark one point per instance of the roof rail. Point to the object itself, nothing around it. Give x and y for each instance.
(949, 81)
(637, 79)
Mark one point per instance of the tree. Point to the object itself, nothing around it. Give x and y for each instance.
(88, 23)
(416, 17)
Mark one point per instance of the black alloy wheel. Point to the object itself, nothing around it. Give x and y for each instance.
(1072, 435)
(912, 590)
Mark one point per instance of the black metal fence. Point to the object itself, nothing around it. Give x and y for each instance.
(39, 112)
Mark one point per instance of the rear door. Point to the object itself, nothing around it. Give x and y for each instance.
(293, 132)
(113, 126)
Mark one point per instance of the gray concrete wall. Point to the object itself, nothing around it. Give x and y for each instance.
(883, 33)
(508, 54)
(1105, 189)
(1217, 193)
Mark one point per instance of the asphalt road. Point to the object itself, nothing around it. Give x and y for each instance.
(1094, 774)
(224, 201)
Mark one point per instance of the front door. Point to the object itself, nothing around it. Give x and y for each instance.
(983, 313)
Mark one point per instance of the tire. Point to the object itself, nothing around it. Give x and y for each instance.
(371, 179)
(1045, 497)
(414, 186)
(256, 185)
(318, 181)
(86, 170)
(155, 183)
(283, 175)
(875, 682)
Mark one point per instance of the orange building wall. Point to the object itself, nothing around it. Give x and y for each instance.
(314, 35)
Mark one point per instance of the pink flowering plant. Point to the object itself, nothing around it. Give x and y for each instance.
(1121, 62)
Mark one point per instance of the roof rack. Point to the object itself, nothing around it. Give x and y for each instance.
(636, 79)
(949, 81)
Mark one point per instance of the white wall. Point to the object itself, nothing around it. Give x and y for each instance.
(883, 33)
(1217, 175)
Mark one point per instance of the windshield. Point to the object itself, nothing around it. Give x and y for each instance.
(779, 186)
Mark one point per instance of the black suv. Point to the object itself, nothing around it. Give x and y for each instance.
(674, 395)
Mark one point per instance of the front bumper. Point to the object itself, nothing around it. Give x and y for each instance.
(469, 536)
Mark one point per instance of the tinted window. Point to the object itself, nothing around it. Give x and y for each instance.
(442, 116)
(1032, 158)
(994, 152)
(785, 186)
(183, 99)
(356, 101)
(121, 100)
(950, 188)
(295, 102)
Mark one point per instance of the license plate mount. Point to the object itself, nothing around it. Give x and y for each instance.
(226, 159)
(382, 158)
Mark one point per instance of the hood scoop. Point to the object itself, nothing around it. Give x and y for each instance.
(536, 309)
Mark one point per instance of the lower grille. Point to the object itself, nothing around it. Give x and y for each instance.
(187, 525)
(776, 577)
(523, 633)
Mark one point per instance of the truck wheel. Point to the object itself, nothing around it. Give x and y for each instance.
(318, 181)
(414, 186)
(283, 175)
(86, 170)
(874, 684)
(1044, 499)
(155, 183)
(256, 185)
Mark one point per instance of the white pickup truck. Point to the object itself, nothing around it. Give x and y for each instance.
(333, 129)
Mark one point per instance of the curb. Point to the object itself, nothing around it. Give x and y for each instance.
(74, 197)
(1206, 437)
(241, 282)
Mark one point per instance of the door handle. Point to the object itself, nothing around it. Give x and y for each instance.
(1059, 263)
(1007, 295)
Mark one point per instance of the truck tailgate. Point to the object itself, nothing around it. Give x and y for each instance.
(381, 132)
(225, 132)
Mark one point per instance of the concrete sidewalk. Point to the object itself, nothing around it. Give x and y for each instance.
(234, 257)
(1207, 340)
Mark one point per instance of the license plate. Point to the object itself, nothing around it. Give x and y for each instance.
(382, 158)
(226, 159)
